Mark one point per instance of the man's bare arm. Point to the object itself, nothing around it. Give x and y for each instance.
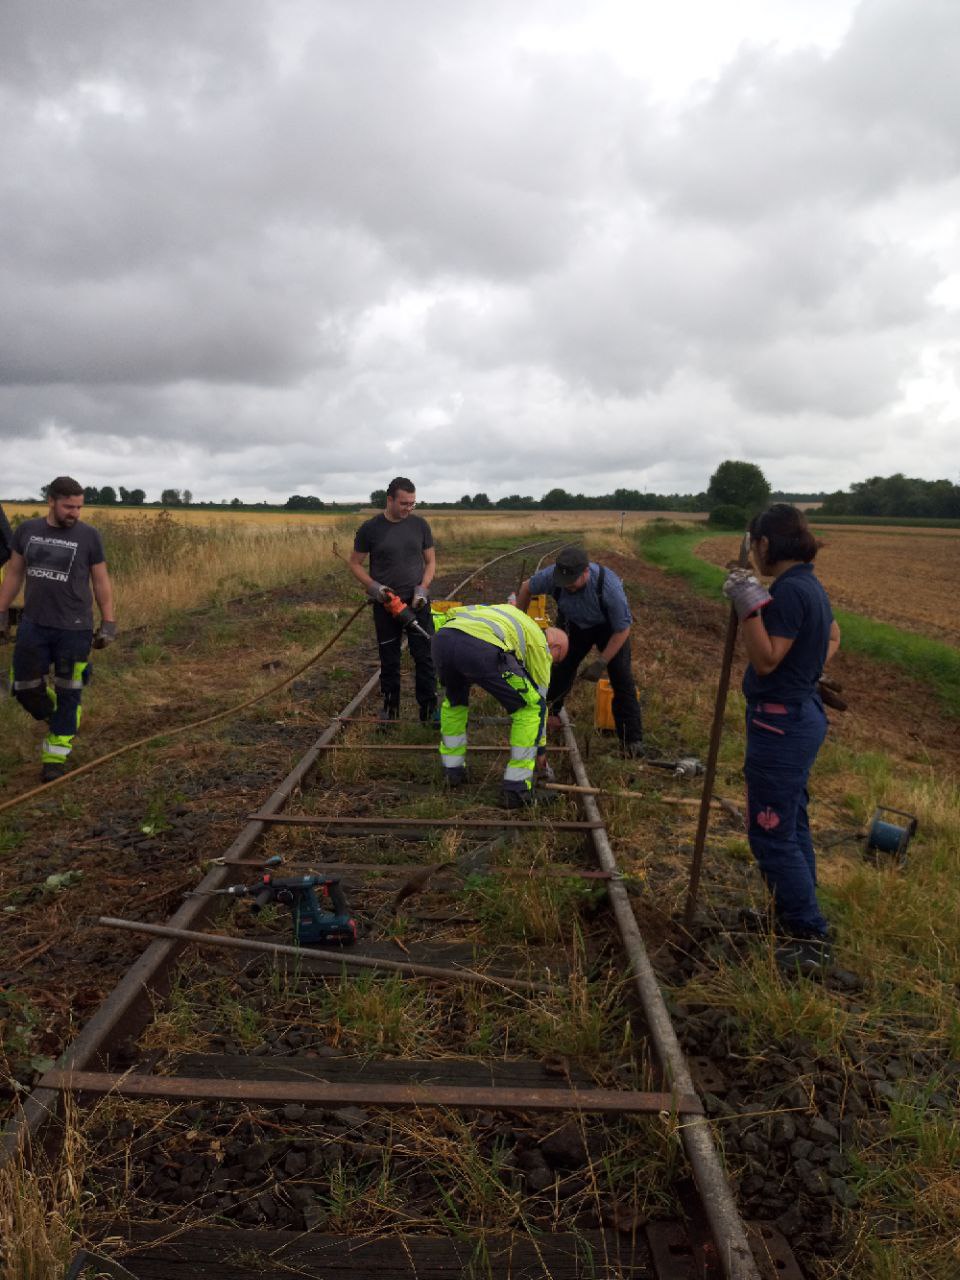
(12, 580)
(356, 567)
(429, 567)
(102, 590)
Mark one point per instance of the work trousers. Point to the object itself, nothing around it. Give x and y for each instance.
(782, 743)
(38, 649)
(390, 635)
(463, 661)
(626, 705)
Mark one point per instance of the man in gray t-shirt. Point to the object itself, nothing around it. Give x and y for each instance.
(60, 563)
(402, 560)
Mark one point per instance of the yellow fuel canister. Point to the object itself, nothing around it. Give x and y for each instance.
(603, 708)
(537, 610)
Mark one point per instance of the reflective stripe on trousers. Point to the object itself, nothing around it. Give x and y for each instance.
(453, 735)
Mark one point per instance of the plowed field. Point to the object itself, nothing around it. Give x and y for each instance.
(908, 578)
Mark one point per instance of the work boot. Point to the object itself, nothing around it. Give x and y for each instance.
(51, 771)
(635, 750)
(545, 771)
(804, 957)
(455, 777)
(430, 713)
(527, 799)
(389, 711)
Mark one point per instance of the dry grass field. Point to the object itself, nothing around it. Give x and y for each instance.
(907, 577)
(164, 560)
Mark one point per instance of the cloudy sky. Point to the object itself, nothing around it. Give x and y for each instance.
(258, 247)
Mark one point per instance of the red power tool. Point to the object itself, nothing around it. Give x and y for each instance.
(402, 612)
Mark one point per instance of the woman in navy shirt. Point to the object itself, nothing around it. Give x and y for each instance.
(789, 634)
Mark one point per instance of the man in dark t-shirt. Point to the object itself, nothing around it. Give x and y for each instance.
(402, 560)
(60, 562)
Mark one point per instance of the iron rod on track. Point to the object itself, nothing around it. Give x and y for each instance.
(333, 956)
(380, 824)
(339, 1093)
(729, 1234)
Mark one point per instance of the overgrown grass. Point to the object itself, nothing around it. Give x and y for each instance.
(42, 1209)
(670, 546)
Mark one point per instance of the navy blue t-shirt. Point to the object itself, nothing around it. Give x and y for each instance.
(800, 611)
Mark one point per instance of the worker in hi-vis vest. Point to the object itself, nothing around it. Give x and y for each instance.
(501, 649)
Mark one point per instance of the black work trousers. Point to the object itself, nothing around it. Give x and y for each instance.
(626, 704)
(390, 635)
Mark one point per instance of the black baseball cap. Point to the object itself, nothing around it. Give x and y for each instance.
(570, 563)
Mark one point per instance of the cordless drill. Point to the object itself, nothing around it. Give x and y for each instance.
(402, 612)
(311, 925)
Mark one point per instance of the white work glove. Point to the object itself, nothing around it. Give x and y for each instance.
(420, 598)
(377, 593)
(745, 593)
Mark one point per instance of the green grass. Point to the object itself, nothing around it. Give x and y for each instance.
(934, 663)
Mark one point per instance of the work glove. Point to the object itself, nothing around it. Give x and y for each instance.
(745, 593)
(830, 692)
(377, 593)
(420, 598)
(594, 671)
(105, 635)
(544, 770)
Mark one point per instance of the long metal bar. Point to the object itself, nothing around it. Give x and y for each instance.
(562, 872)
(338, 1093)
(411, 746)
(378, 824)
(731, 1238)
(128, 1005)
(306, 955)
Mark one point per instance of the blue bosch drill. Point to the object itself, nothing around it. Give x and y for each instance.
(312, 926)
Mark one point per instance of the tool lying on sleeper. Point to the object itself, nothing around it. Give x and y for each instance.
(312, 926)
(685, 767)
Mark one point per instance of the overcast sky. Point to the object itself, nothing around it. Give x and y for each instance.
(260, 247)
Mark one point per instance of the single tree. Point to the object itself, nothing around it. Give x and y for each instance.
(187, 497)
(171, 498)
(90, 493)
(738, 484)
(108, 495)
(378, 498)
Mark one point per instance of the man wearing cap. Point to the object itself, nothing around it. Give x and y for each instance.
(592, 609)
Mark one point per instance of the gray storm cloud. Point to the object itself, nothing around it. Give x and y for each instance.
(244, 243)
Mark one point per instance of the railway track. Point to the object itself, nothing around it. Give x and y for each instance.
(486, 1084)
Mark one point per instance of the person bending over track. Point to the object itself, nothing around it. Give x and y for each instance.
(501, 649)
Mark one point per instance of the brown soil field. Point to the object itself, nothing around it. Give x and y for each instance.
(891, 575)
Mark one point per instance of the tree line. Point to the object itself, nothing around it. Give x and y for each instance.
(736, 490)
(896, 495)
